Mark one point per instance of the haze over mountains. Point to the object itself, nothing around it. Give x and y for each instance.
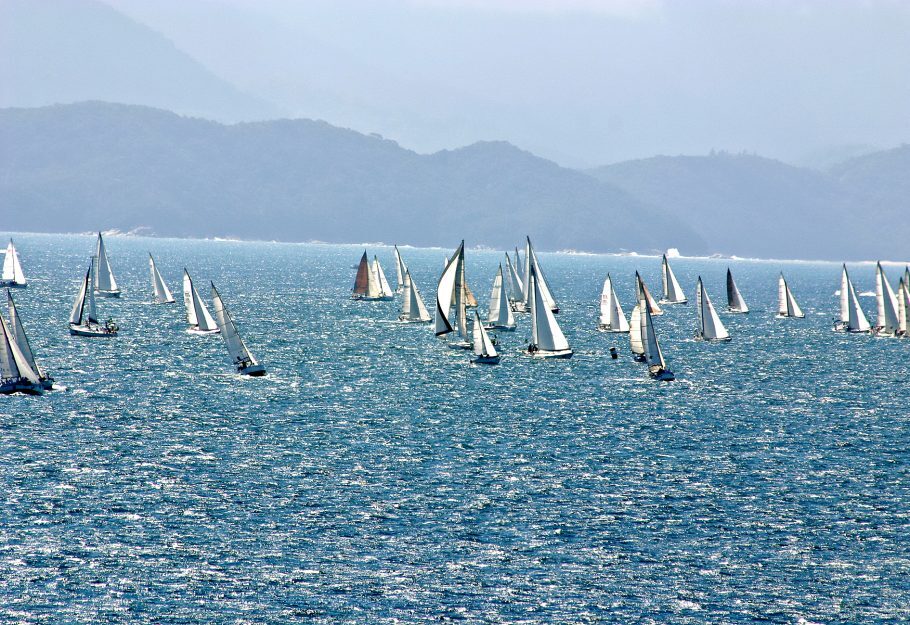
(99, 165)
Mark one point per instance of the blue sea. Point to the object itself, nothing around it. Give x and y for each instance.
(375, 476)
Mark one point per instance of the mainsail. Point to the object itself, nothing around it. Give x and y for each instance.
(412, 306)
(673, 293)
(786, 303)
(162, 293)
(533, 266)
(197, 314)
(710, 327)
(84, 312)
(903, 308)
(500, 310)
(104, 277)
(17, 331)
(12, 269)
(612, 317)
(852, 317)
(384, 289)
(546, 334)
(515, 287)
(451, 287)
(482, 344)
(400, 270)
(653, 356)
(240, 355)
(635, 332)
(366, 283)
(13, 364)
(735, 301)
(887, 322)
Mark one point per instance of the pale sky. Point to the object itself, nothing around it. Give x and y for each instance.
(584, 82)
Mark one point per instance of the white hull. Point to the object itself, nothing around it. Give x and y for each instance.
(459, 345)
(737, 311)
(92, 331)
(607, 328)
(726, 339)
(198, 331)
(671, 301)
(366, 298)
(519, 307)
(543, 353)
(107, 293)
(400, 320)
(491, 326)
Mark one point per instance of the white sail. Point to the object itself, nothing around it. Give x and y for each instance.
(642, 289)
(197, 314)
(79, 304)
(500, 310)
(844, 295)
(653, 355)
(546, 334)
(384, 289)
(887, 322)
(12, 269)
(162, 293)
(786, 303)
(612, 317)
(91, 315)
(483, 346)
(515, 286)
(400, 270)
(673, 293)
(735, 301)
(635, 332)
(710, 327)
(903, 306)
(104, 277)
(240, 355)
(852, 317)
(445, 291)
(533, 265)
(412, 306)
(13, 363)
(17, 331)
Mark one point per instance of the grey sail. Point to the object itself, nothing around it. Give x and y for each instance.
(241, 357)
(735, 301)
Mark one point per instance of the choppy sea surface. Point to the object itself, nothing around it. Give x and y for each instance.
(375, 476)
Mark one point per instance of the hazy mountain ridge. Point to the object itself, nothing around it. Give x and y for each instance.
(753, 206)
(60, 51)
(98, 165)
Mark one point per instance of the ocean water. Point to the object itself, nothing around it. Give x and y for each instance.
(375, 476)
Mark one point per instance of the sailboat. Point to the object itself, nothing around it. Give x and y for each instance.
(653, 356)
(105, 284)
(501, 317)
(638, 348)
(786, 303)
(12, 270)
(887, 323)
(413, 310)
(852, 317)
(641, 289)
(162, 293)
(197, 313)
(516, 291)
(532, 265)
(710, 327)
(17, 333)
(16, 375)
(366, 283)
(673, 293)
(384, 287)
(84, 316)
(903, 309)
(735, 301)
(547, 339)
(240, 355)
(612, 318)
(400, 270)
(452, 287)
(484, 350)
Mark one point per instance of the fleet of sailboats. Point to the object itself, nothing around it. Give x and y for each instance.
(241, 357)
(367, 286)
(105, 283)
(13, 276)
(735, 301)
(710, 327)
(500, 317)
(159, 287)
(84, 315)
(197, 313)
(612, 318)
(673, 293)
(852, 317)
(786, 303)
